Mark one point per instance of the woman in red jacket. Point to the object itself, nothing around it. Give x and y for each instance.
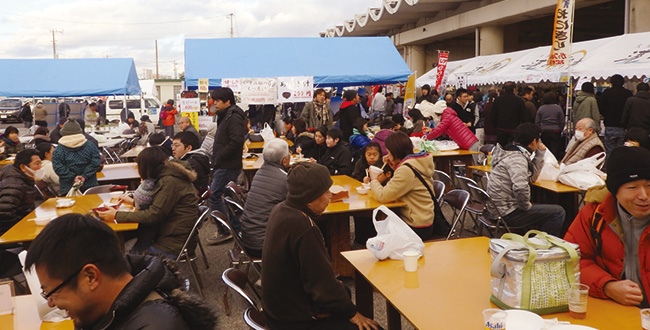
(451, 125)
(168, 116)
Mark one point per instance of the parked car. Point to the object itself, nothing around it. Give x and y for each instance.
(10, 110)
(145, 105)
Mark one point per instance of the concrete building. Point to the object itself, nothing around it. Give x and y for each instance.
(468, 28)
(168, 89)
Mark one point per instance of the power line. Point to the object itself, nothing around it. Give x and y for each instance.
(112, 23)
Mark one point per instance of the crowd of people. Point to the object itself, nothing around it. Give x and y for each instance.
(299, 286)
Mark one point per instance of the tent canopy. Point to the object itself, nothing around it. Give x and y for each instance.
(627, 55)
(68, 77)
(332, 61)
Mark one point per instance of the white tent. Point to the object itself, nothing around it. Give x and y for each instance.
(627, 55)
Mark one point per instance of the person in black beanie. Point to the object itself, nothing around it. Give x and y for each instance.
(613, 234)
(300, 288)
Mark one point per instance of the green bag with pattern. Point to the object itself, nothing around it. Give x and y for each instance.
(533, 273)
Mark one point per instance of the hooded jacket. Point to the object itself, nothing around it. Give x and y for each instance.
(16, 196)
(229, 140)
(174, 207)
(586, 106)
(200, 163)
(76, 156)
(636, 112)
(455, 128)
(406, 187)
(40, 113)
(380, 138)
(511, 176)
(153, 300)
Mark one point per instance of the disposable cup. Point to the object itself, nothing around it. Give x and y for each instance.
(411, 260)
(494, 319)
(374, 172)
(578, 294)
(645, 318)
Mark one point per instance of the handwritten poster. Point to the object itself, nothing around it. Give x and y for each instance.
(204, 85)
(259, 90)
(295, 89)
(232, 83)
(190, 108)
(562, 33)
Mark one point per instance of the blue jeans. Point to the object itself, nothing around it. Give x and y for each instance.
(614, 137)
(220, 179)
(545, 217)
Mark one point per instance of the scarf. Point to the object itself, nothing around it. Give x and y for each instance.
(321, 112)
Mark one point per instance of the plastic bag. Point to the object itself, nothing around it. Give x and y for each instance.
(267, 132)
(394, 236)
(583, 174)
(550, 170)
(74, 191)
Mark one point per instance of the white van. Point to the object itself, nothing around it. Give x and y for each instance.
(139, 105)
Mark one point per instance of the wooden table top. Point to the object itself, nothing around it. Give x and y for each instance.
(26, 230)
(260, 145)
(26, 317)
(451, 153)
(452, 286)
(115, 172)
(133, 152)
(553, 186)
(355, 202)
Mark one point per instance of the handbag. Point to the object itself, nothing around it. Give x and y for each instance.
(533, 274)
(441, 226)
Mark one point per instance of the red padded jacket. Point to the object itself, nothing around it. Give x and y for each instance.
(455, 128)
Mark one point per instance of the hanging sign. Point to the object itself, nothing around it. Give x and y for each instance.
(232, 83)
(562, 33)
(295, 89)
(440, 68)
(259, 90)
(190, 108)
(204, 85)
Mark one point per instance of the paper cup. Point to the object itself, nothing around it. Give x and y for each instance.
(411, 260)
(374, 172)
(645, 318)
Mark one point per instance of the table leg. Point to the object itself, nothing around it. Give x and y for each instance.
(393, 317)
(336, 231)
(364, 295)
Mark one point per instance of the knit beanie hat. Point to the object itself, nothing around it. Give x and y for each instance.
(143, 196)
(627, 164)
(308, 181)
(71, 127)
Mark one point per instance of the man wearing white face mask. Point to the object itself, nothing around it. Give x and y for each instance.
(17, 188)
(587, 142)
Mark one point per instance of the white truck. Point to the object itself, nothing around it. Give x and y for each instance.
(139, 105)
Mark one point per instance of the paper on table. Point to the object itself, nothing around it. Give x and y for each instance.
(45, 312)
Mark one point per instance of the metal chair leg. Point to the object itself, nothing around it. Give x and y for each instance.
(205, 258)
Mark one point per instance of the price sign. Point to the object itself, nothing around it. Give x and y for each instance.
(232, 83)
(259, 90)
(204, 85)
(295, 89)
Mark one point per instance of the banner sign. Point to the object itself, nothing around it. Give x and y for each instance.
(409, 96)
(440, 69)
(204, 85)
(295, 89)
(259, 90)
(232, 83)
(562, 33)
(190, 108)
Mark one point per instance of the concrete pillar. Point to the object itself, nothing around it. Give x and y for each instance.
(490, 40)
(414, 58)
(639, 12)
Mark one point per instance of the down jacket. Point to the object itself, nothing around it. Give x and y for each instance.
(596, 269)
(380, 138)
(16, 196)
(141, 304)
(268, 189)
(455, 128)
(229, 140)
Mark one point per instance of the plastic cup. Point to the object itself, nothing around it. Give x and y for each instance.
(645, 318)
(374, 172)
(578, 294)
(411, 260)
(494, 319)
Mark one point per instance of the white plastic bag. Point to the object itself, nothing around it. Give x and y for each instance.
(267, 132)
(394, 236)
(584, 174)
(550, 170)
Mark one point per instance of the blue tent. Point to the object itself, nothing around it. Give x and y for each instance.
(68, 77)
(332, 61)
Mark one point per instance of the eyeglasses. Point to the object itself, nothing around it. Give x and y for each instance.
(47, 295)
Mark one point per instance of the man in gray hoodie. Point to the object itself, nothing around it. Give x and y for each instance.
(510, 179)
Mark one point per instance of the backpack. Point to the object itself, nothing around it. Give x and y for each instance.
(163, 114)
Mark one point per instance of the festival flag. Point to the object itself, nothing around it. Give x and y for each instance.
(562, 33)
(409, 96)
(443, 56)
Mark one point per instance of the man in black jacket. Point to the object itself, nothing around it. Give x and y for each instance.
(508, 111)
(300, 288)
(17, 188)
(348, 113)
(101, 289)
(227, 151)
(337, 157)
(185, 146)
(636, 112)
(463, 110)
(610, 105)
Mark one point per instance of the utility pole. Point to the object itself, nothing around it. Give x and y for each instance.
(157, 76)
(175, 72)
(54, 42)
(231, 29)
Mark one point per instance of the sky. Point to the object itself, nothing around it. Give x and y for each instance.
(129, 28)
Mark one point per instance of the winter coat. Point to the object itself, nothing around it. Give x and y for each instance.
(200, 163)
(174, 207)
(297, 264)
(55, 135)
(268, 189)
(76, 156)
(361, 166)
(380, 137)
(170, 117)
(636, 112)
(11, 147)
(310, 116)
(346, 116)
(229, 140)
(192, 129)
(406, 187)
(583, 149)
(305, 141)
(16, 196)
(586, 106)
(550, 117)
(358, 140)
(141, 304)
(50, 176)
(511, 176)
(26, 114)
(40, 113)
(338, 160)
(465, 114)
(599, 268)
(508, 111)
(451, 125)
(611, 103)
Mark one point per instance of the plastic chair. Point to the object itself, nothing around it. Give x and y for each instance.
(492, 220)
(100, 189)
(255, 319)
(187, 252)
(438, 190)
(457, 199)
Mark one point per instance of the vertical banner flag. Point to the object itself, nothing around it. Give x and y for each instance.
(562, 33)
(295, 89)
(443, 56)
(204, 85)
(409, 96)
(189, 106)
